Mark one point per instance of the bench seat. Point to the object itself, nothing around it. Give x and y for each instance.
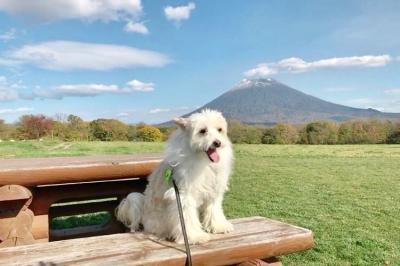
(253, 238)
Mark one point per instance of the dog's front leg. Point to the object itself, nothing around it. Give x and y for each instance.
(193, 226)
(214, 219)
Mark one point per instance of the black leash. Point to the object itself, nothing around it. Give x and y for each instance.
(185, 238)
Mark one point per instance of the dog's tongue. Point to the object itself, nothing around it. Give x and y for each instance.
(213, 155)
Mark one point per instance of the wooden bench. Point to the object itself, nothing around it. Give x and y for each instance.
(35, 191)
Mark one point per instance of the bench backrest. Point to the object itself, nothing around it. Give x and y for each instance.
(69, 186)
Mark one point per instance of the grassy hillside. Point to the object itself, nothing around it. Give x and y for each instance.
(348, 195)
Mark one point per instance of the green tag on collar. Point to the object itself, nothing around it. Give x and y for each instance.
(168, 175)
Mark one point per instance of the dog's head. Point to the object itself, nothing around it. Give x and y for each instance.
(207, 131)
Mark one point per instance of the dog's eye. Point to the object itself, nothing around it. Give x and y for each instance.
(219, 129)
(203, 131)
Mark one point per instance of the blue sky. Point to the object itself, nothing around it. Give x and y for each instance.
(153, 60)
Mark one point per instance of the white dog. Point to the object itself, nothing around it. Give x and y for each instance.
(200, 154)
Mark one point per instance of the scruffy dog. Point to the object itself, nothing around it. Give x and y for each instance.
(200, 154)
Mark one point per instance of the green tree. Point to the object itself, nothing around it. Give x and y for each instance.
(108, 130)
(59, 130)
(394, 135)
(132, 133)
(280, 134)
(77, 129)
(320, 132)
(241, 133)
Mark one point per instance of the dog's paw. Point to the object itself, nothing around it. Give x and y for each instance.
(220, 228)
(199, 238)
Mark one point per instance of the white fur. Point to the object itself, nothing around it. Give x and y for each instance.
(201, 182)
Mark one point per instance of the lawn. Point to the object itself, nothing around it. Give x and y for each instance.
(348, 195)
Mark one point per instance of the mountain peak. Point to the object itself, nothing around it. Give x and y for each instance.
(267, 101)
(251, 83)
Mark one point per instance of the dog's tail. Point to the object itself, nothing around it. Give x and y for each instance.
(130, 210)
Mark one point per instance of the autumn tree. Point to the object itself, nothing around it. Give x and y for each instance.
(34, 126)
(149, 133)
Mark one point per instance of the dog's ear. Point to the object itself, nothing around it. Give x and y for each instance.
(181, 122)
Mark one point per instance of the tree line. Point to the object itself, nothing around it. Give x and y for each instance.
(74, 128)
(319, 132)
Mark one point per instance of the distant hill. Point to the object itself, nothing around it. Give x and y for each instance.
(267, 101)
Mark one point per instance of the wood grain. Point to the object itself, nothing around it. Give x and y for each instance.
(253, 238)
(15, 216)
(44, 171)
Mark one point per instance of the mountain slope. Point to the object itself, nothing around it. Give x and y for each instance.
(267, 101)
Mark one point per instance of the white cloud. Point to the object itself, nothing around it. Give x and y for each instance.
(138, 27)
(338, 89)
(8, 90)
(76, 90)
(298, 65)
(383, 104)
(123, 114)
(392, 91)
(179, 13)
(167, 110)
(9, 62)
(261, 70)
(91, 10)
(67, 55)
(15, 110)
(138, 85)
(8, 35)
(89, 90)
(365, 102)
(159, 110)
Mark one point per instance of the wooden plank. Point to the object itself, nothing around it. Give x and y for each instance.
(43, 171)
(257, 262)
(253, 238)
(40, 227)
(15, 216)
(13, 192)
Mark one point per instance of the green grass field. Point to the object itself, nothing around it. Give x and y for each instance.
(348, 195)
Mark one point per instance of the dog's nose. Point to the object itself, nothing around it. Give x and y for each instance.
(217, 143)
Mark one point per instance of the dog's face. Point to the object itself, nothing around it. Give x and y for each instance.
(207, 131)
